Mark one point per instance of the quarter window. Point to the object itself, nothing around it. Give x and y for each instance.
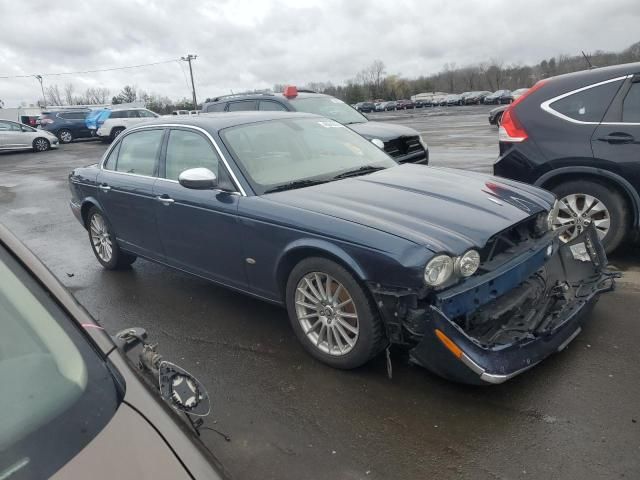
(631, 105)
(588, 105)
(138, 152)
(188, 150)
(247, 105)
(146, 114)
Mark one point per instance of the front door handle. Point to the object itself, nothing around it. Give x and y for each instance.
(165, 199)
(104, 187)
(617, 137)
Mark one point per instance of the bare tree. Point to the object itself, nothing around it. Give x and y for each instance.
(68, 94)
(53, 95)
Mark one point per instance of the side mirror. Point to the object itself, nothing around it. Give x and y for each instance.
(182, 390)
(198, 179)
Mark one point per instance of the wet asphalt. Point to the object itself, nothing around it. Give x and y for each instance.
(575, 416)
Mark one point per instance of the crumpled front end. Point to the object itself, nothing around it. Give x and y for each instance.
(496, 325)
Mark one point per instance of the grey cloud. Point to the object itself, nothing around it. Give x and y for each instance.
(243, 44)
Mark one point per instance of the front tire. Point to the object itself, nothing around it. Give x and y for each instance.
(41, 145)
(332, 315)
(583, 202)
(104, 244)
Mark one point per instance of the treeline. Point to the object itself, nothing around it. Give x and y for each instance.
(68, 96)
(373, 82)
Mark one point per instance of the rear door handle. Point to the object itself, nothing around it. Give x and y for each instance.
(165, 199)
(104, 187)
(618, 137)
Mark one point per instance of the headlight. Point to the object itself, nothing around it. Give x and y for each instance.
(422, 142)
(438, 270)
(468, 264)
(553, 214)
(378, 143)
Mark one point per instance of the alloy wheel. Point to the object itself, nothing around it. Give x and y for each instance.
(579, 210)
(101, 238)
(41, 145)
(65, 136)
(327, 313)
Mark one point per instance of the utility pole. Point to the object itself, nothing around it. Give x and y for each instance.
(188, 58)
(44, 99)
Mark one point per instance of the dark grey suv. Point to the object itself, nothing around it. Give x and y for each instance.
(402, 143)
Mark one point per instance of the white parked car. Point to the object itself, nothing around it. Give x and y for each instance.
(118, 120)
(16, 136)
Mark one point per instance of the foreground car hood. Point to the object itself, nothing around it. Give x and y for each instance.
(446, 210)
(383, 131)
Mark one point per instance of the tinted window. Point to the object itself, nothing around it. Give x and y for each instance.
(188, 150)
(268, 105)
(588, 105)
(216, 107)
(138, 152)
(73, 115)
(57, 391)
(119, 114)
(242, 106)
(631, 105)
(146, 114)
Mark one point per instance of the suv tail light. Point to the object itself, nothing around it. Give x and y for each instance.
(511, 130)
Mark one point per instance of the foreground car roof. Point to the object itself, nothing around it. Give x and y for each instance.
(217, 121)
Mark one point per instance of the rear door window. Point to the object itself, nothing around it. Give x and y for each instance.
(73, 115)
(587, 105)
(243, 106)
(631, 104)
(139, 151)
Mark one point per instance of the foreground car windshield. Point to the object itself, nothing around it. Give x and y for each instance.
(331, 108)
(300, 151)
(57, 393)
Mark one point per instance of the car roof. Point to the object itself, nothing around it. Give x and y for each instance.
(265, 96)
(601, 73)
(218, 121)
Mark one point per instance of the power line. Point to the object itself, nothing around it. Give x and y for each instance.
(89, 71)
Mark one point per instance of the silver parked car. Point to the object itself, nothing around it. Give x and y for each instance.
(16, 136)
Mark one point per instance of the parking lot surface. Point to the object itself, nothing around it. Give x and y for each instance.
(575, 416)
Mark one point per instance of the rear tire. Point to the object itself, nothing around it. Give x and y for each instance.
(617, 211)
(115, 132)
(309, 305)
(103, 242)
(65, 136)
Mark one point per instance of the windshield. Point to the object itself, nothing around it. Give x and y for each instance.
(54, 385)
(278, 152)
(331, 108)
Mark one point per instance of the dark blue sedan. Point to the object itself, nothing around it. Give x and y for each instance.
(296, 209)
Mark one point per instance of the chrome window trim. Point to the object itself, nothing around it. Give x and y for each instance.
(546, 106)
(171, 125)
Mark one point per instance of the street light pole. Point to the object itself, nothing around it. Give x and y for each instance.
(188, 59)
(44, 99)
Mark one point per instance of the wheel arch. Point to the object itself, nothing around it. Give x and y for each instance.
(301, 249)
(557, 176)
(87, 204)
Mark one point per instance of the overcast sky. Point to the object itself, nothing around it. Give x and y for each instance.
(254, 44)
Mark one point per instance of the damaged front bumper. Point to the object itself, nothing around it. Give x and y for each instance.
(492, 327)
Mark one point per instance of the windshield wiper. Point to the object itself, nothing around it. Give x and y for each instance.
(358, 171)
(295, 184)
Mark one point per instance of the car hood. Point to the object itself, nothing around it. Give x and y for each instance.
(128, 447)
(383, 131)
(445, 210)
